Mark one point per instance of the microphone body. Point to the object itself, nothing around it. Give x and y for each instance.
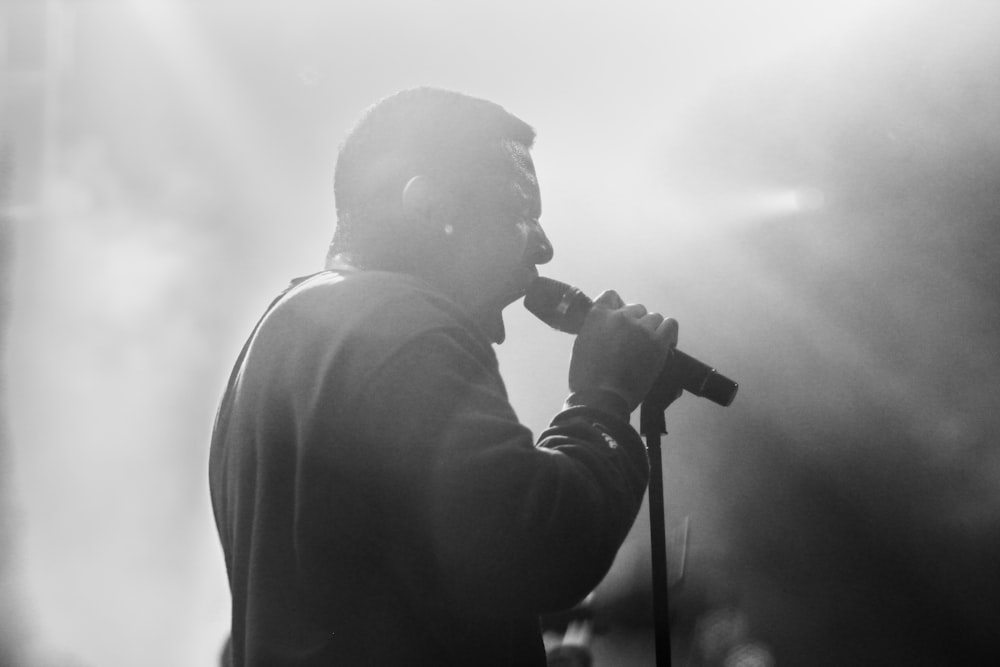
(564, 307)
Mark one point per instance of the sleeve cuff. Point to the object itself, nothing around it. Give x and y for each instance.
(599, 399)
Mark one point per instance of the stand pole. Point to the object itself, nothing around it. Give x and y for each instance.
(653, 426)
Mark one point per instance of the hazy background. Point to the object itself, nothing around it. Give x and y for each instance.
(811, 188)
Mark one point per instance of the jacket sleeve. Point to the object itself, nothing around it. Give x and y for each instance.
(490, 515)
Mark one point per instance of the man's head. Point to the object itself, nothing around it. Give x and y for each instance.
(442, 185)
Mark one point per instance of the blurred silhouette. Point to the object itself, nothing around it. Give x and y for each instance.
(377, 499)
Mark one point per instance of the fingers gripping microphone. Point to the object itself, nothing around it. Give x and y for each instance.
(564, 308)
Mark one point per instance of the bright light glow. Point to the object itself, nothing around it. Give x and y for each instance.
(784, 202)
(718, 214)
(810, 199)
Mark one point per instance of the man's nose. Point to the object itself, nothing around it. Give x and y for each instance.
(539, 246)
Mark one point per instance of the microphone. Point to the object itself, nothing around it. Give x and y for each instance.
(565, 308)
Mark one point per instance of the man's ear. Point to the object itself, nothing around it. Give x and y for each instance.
(426, 203)
(420, 197)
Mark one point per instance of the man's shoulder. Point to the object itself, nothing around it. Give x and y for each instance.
(366, 285)
(383, 305)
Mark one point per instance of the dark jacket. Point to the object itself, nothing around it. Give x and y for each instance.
(380, 504)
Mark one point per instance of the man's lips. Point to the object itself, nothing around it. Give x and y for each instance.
(523, 283)
(518, 288)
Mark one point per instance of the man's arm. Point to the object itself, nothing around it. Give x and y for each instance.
(515, 525)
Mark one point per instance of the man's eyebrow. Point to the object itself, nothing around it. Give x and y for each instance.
(527, 194)
(531, 205)
(520, 155)
(523, 172)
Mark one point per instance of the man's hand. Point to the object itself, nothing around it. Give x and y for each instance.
(621, 348)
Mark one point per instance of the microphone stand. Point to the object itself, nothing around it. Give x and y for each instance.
(652, 425)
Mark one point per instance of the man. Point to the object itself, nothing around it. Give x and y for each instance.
(377, 500)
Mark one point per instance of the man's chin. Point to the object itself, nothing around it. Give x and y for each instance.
(494, 327)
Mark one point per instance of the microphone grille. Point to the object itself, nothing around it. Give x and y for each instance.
(557, 304)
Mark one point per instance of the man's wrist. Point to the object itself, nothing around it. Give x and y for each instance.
(604, 400)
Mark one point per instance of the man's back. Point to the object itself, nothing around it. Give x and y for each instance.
(378, 501)
(332, 554)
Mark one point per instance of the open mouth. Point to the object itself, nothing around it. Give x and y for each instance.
(516, 287)
(524, 283)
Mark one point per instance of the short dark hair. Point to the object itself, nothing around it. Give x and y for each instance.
(443, 134)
